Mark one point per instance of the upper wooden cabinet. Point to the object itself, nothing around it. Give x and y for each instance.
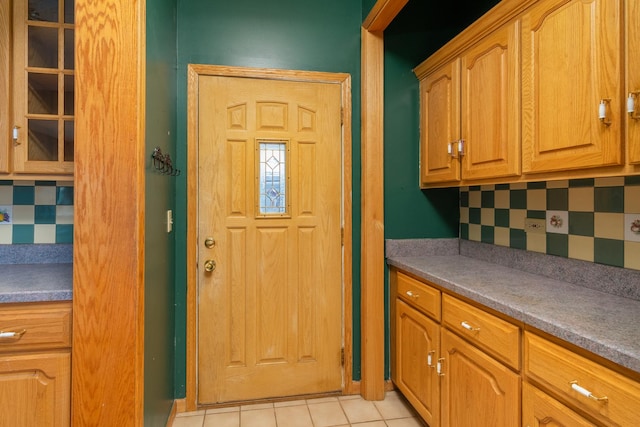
(469, 112)
(5, 25)
(571, 63)
(633, 79)
(43, 87)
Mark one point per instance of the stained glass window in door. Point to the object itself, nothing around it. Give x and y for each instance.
(272, 178)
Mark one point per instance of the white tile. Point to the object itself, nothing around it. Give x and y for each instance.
(632, 227)
(258, 418)
(6, 213)
(64, 214)
(44, 233)
(255, 406)
(6, 234)
(321, 400)
(327, 414)
(191, 413)
(394, 407)
(223, 410)
(191, 421)
(23, 214)
(293, 416)
(45, 195)
(224, 419)
(24, 183)
(289, 403)
(6, 195)
(370, 424)
(360, 410)
(405, 422)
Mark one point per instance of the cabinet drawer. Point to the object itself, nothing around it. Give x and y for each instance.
(419, 295)
(497, 337)
(556, 368)
(39, 326)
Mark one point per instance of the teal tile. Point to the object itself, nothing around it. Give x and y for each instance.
(464, 199)
(464, 231)
(558, 244)
(24, 195)
(503, 187)
(537, 214)
(487, 199)
(518, 199)
(501, 218)
(581, 223)
(608, 199)
(474, 188)
(45, 214)
(474, 215)
(6, 182)
(517, 239)
(558, 199)
(64, 233)
(536, 185)
(632, 180)
(584, 182)
(22, 233)
(487, 234)
(64, 196)
(609, 252)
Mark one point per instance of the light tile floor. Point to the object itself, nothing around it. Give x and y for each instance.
(343, 411)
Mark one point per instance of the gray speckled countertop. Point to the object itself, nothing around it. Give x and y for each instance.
(603, 323)
(35, 282)
(34, 273)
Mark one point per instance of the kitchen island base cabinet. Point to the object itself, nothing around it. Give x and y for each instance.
(34, 390)
(417, 346)
(476, 389)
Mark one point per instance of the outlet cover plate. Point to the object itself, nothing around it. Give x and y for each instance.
(535, 225)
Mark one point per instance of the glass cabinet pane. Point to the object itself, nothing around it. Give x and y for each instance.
(68, 95)
(68, 50)
(43, 47)
(43, 140)
(43, 10)
(43, 93)
(68, 12)
(68, 141)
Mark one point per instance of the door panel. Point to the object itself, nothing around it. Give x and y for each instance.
(269, 177)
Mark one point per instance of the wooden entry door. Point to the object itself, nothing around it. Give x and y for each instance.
(269, 198)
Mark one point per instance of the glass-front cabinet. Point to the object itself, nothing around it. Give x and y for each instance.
(42, 132)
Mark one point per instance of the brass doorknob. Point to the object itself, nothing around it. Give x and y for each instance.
(209, 242)
(209, 265)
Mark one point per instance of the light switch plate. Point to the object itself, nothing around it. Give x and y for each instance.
(169, 221)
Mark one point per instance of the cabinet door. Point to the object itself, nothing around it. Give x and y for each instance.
(571, 60)
(491, 105)
(440, 124)
(417, 338)
(540, 410)
(633, 78)
(476, 389)
(43, 82)
(35, 390)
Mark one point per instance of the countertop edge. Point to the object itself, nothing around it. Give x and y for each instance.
(600, 347)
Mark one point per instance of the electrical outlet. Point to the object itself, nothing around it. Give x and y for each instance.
(535, 225)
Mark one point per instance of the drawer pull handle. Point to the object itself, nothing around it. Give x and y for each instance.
(413, 296)
(430, 359)
(468, 327)
(439, 367)
(583, 391)
(11, 336)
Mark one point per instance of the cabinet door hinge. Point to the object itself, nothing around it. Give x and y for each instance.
(342, 236)
(342, 356)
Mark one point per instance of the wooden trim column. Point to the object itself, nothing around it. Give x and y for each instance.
(108, 271)
(372, 215)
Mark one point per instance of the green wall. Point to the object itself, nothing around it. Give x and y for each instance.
(159, 197)
(289, 34)
(419, 30)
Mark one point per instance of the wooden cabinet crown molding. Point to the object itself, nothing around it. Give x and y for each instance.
(500, 14)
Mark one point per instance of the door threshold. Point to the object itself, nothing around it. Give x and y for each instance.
(270, 400)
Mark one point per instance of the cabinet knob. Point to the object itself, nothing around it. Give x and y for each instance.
(209, 265)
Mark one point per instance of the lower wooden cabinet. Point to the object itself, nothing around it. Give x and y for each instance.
(416, 351)
(35, 365)
(476, 389)
(539, 410)
(35, 390)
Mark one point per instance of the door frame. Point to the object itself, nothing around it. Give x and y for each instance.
(344, 79)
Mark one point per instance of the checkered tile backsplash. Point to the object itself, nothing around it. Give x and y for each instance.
(595, 220)
(36, 212)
